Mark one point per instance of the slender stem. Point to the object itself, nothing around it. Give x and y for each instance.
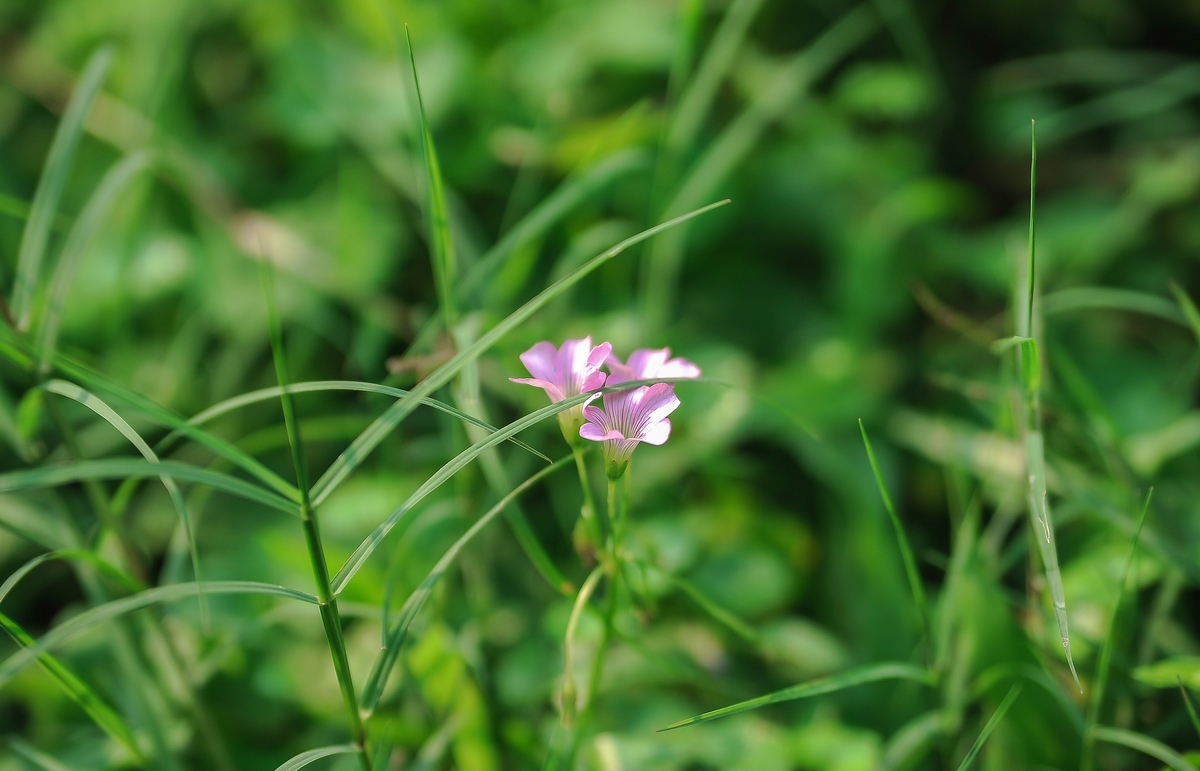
(589, 501)
(569, 693)
(1032, 196)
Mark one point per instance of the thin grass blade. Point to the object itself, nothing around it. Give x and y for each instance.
(395, 636)
(870, 673)
(36, 757)
(1189, 309)
(95, 213)
(119, 468)
(312, 756)
(706, 604)
(992, 722)
(1191, 708)
(120, 607)
(78, 691)
(906, 748)
(75, 555)
(366, 442)
(50, 185)
(1105, 298)
(1144, 744)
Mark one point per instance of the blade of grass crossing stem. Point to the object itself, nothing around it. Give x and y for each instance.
(72, 391)
(78, 691)
(1189, 309)
(312, 756)
(51, 184)
(118, 468)
(441, 246)
(120, 607)
(906, 553)
(1104, 660)
(372, 541)
(992, 722)
(397, 633)
(870, 673)
(330, 618)
(1146, 745)
(95, 213)
(315, 386)
(369, 439)
(1191, 708)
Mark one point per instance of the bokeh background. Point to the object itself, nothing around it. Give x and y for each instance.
(877, 161)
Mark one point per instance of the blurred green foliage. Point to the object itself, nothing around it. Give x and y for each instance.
(877, 161)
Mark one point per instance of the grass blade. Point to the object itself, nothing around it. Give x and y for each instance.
(992, 722)
(95, 213)
(1104, 298)
(441, 246)
(78, 691)
(119, 468)
(718, 613)
(1189, 309)
(117, 608)
(395, 636)
(51, 184)
(1104, 661)
(906, 553)
(78, 555)
(909, 744)
(369, 439)
(312, 756)
(866, 674)
(1191, 709)
(1144, 744)
(265, 394)
(36, 757)
(72, 391)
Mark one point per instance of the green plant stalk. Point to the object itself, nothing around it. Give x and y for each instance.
(330, 617)
(588, 512)
(569, 693)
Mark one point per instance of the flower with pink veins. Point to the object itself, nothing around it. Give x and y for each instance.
(649, 364)
(564, 372)
(629, 417)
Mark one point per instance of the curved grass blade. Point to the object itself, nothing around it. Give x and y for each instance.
(909, 744)
(80, 555)
(369, 439)
(72, 391)
(312, 756)
(265, 394)
(395, 636)
(114, 183)
(78, 691)
(118, 468)
(866, 674)
(1105, 298)
(35, 756)
(1104, 661)
(1187, 702)
(1038, 677)
(1189, 309)
(51, 184)
(992, 722)
(117, 608)
(1144, 744)
(720, 614)
(906, 553)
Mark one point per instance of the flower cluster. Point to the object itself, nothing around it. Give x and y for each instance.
(630, 415)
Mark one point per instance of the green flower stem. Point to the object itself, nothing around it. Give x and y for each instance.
(589, 501)
(569, 694)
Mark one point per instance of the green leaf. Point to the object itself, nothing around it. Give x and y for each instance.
(1189, 309)
(76, 555)
(311, 756)
(1191, 708)
(1145, 744)
(869, 673)
(36, 757)
(369, 439)
(394, 637)
(1031, 366)
(118, 468)
(720, 614)
(992, 722)
(905, 749)
(117, 608)
(1105, 298)
(51, 184)
(78, 691)
(1168, 672)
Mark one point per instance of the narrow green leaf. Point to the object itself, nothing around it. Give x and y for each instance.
(1189, 309)
(1167, 672)
(1006, 344)
(51, 184)
(95, 213)
(1191, 709)
(720, 614)
(1031, 365)
(1033, 674)
(1145, 744)
(992, 722)
(906, 553)
(905, 749)
(117, 608)
(1031, 268)
(1105, 298)
(119, 468)
(74, 555)
(78, 691)
(266, 394)
(36, 757)
(362, 446)
(312, 756)
(869, 673)
(72, 391)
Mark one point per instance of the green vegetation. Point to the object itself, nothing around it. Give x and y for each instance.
(269, 500)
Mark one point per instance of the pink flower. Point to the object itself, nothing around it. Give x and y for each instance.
(649, 364)
(628, 418)
(564, 372)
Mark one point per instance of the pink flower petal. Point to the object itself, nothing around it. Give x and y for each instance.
(678, 367)
(658, 433)
(597, 355)
(540, 361)
(552, 390)
(647, 362)
(595, 415)
(593, 382)
(656, 403)
(596, 434)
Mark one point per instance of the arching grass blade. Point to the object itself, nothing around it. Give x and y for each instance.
(1144, 744)
(866, 674)
(1189, 309)
(36, 757)
(992, 722)
(51, 184)
(1105, 298)
(366, 442)
(312, 756)
(76, 555)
